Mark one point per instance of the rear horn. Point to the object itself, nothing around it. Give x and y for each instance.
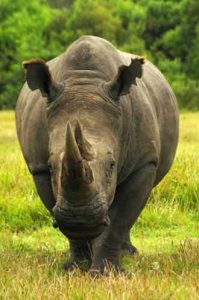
(83, 144)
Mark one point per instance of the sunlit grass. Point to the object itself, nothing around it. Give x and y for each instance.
(166, 234)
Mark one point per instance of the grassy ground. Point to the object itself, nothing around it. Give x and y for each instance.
(166, 234)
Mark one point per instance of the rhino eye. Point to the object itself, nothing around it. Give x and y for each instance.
(110, 168)
(112, 165)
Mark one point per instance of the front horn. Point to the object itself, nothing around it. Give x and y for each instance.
(78, 170)
(72, 152)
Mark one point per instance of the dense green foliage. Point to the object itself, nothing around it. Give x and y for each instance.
(165, 31)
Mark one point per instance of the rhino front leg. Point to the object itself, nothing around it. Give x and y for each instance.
(80, 251)
(130, 199)
(80, 255)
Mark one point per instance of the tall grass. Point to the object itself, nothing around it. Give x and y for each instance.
(166, 234)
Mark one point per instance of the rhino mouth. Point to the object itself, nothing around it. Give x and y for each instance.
(81, 224)
(82, 232)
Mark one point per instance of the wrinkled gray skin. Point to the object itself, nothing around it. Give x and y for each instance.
(97, 137)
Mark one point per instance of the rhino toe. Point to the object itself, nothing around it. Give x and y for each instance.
(128, 249)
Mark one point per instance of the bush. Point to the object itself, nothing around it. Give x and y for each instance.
(187, 93)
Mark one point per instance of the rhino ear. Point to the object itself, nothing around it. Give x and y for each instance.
(125, 77)
(39, 77)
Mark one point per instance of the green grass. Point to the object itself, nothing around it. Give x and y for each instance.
(166, 234)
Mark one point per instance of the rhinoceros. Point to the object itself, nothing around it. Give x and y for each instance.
(98, 129)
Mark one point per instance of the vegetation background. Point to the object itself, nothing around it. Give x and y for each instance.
(165, 31)
(167, 233)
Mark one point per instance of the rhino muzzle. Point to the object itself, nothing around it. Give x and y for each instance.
(79, 212)
(81, 223)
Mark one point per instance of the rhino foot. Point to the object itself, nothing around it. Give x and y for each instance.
(70, 265)
(106, 269)
(80, 256)
(128, 249)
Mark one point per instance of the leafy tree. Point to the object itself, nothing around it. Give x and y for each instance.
(21, 38)
(166, 31)
(94, 17)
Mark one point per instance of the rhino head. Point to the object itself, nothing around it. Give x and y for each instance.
(85, 129)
